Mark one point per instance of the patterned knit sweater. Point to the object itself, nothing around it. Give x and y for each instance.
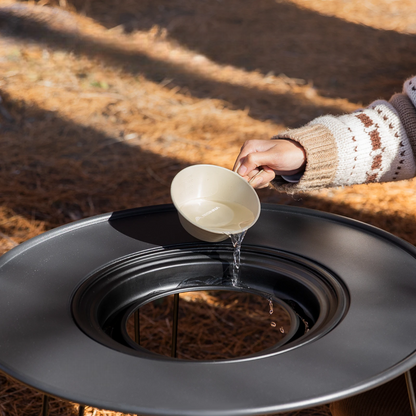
(374, 144)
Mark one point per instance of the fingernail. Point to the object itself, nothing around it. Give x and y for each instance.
(242, 170)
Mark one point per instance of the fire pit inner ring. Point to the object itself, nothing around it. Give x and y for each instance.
(215, 324)
(65, 294)
(314, 299)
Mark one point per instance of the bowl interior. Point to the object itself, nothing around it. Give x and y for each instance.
(215, 199)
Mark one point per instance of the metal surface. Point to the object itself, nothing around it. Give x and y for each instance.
(351, 348)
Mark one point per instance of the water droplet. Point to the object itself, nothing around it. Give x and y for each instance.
(270, 307)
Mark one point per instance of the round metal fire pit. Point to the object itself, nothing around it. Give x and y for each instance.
(348, 288)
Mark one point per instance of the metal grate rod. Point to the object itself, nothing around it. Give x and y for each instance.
(137, 326)
(175, 324)
(411, 392)
(45, 405)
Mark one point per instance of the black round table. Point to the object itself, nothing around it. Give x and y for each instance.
(368, 337)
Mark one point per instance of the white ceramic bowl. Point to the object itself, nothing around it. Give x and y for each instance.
(214, 202)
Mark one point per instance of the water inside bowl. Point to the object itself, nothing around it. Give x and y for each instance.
(226, 217)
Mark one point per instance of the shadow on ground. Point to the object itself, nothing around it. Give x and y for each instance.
(342, 59)
(338, 58)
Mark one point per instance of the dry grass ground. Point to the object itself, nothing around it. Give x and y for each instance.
(103, 102)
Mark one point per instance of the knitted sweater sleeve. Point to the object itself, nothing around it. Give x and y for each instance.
(374, 144)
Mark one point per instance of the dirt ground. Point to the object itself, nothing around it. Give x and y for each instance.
(103, 102)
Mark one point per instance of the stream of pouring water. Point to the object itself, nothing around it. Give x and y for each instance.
(236, 240)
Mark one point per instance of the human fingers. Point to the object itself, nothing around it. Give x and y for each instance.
(262, 178)
(251, 146)
(253, 174)
(285, 157)
(253, 162)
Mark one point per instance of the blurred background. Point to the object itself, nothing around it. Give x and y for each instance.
(103, 102)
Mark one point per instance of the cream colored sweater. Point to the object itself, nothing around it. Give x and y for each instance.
(375, 144)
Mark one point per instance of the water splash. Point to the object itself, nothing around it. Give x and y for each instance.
(271, 310)
(305, 322)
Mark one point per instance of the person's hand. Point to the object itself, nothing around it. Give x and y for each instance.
(274, 157)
